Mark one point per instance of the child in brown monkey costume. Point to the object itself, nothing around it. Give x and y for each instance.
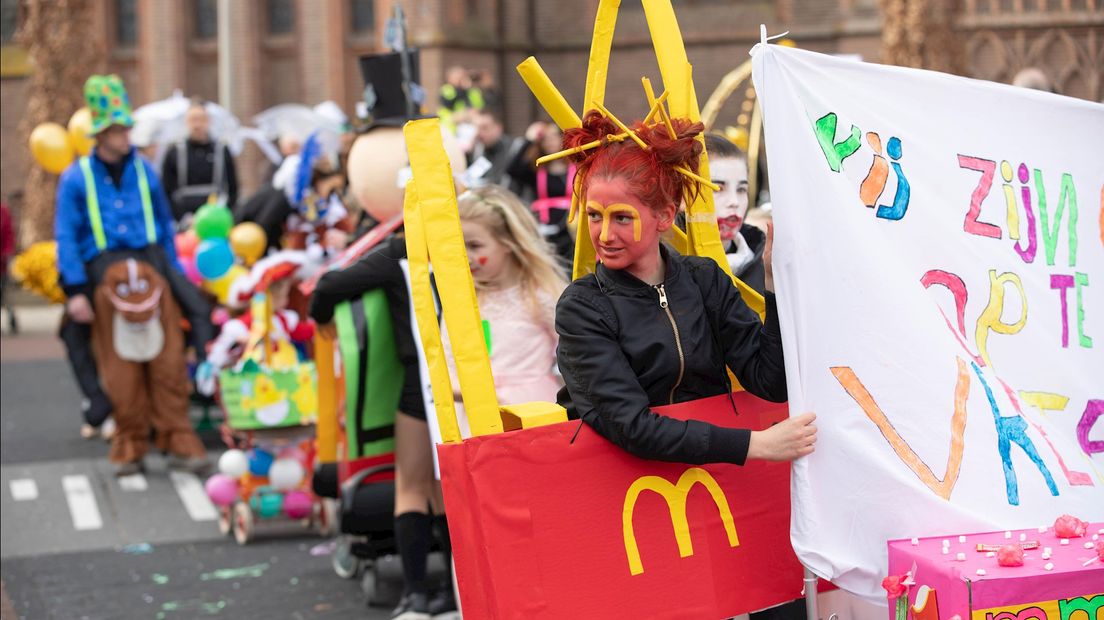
(138, 341)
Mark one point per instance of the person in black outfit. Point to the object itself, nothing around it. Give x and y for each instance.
(547, 188)
(415, 526)
(743, 243)
(493, 145)
(652, 328)
(198, 167)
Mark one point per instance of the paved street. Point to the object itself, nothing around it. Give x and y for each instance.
(77, 542)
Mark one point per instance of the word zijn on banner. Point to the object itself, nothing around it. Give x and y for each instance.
(940, 265)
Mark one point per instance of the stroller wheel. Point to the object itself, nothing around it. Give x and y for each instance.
(382, 582)
(368, 586)
(225, 520)
(243, 523)
(345, 563)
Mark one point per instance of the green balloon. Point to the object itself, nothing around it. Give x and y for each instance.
(267, 503)
(213, 221)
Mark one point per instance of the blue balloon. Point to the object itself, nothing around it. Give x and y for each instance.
(260, 462)
(214, 258)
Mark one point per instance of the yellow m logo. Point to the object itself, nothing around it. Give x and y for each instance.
(675, 495)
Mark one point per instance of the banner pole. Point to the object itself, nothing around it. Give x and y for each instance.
(810, 595)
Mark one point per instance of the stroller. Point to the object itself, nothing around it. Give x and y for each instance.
(269, 396)
(356, 466)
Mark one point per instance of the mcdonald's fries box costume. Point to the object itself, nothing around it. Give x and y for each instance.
(544, 527)
(963, 576)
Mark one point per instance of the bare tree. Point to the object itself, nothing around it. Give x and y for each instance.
(920, 34)
(64, 51)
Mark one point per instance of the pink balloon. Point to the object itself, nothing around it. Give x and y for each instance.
(191, 271)
(297, 504)
(222, 489)
(186, 244)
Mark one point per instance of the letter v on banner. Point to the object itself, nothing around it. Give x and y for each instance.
(943, 488)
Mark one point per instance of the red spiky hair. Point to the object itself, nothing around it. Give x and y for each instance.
(650, 174)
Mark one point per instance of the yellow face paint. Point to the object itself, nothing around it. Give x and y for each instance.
(608, 212)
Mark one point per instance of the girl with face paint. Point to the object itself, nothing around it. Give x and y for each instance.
(517, 280)
(745, 245)
(651, 327)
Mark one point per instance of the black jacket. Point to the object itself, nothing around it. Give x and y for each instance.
(620, 355)
(379, 268)
(200, 171)
(754, 273)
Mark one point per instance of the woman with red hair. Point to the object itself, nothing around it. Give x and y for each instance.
(651, 327)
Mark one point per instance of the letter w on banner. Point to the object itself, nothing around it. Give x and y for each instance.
(940, 266)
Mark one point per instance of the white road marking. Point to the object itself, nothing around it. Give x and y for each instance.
(82, 503)
(194, 496)
(133, 482)
(24, 490)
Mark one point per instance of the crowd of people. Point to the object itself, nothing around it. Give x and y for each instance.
(121, 206)
(575, 343)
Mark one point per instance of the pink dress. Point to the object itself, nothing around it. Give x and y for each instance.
(523, 349)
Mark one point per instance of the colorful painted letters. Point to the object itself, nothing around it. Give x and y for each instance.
(986, 167)
(835, 152)
(1068, 194)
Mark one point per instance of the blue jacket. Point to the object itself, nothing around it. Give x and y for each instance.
(121, 211)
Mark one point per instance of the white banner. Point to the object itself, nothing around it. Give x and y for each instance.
(939, 258)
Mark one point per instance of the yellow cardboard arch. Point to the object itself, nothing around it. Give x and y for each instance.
(432, 224)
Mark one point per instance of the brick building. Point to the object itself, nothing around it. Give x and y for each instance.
(305, 50)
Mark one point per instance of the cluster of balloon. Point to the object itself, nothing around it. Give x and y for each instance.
(215, 252)
(260, 461)
(55, 147)
(282, 493)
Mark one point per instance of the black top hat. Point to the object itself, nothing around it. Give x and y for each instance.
(384, 95)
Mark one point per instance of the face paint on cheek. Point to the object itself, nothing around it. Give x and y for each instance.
(482, 260)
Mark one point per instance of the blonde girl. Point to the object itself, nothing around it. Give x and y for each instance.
(517, 281)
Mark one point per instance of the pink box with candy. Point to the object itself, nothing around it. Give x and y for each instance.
(963, 575)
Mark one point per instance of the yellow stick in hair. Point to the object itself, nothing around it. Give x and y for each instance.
(706, 182)
(652, 101)
(666, 118)
(648, 90)
(656, 104)
(571, 151)
(680, 169)
(579, 149)
(624, 128)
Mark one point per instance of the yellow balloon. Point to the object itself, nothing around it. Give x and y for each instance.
(220, 288)
(80, 125)
(248, 241)
(50, 147)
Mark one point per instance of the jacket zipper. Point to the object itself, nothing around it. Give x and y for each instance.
(678, 341)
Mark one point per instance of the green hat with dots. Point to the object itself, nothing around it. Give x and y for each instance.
(107, 100)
